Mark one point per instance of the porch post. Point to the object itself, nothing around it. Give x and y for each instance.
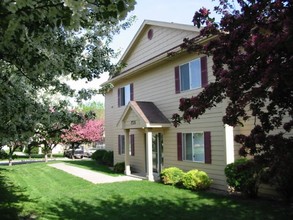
(127, 162)
(150, 175)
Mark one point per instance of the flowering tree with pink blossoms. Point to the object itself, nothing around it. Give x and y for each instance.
(90, 131)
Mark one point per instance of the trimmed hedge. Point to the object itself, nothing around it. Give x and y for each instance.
(103, 157)
(193, 179)
(171, 176)
(244, 176)
(98, 155)
(108, 158)
(119, 167)
(196, 180)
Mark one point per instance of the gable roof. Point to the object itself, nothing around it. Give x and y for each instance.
(147, 112)
(147, 23)
(159, 56)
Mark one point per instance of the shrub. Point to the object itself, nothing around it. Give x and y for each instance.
(196, 180)
(119, 167)
(3, 154)
(98, 155)
(108, 158)
(171, 176)
(244, 176)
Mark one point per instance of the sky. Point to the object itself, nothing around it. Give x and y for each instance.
(177, 11)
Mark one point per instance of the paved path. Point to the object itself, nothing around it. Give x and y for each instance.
(91, 176)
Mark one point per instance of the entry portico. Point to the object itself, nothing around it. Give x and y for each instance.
(146, 116)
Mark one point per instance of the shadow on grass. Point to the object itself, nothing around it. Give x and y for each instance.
(11, 198)
(203, 207)
(92, 165)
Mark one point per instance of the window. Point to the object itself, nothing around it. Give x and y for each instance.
(125, 94)
(194, 147)
(121, 144)
(131, 149)
(191, 75)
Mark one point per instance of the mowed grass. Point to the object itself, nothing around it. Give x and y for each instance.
(91, 165)
(37, 191)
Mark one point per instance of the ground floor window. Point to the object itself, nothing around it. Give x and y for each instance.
(193, 147)
(121, 144)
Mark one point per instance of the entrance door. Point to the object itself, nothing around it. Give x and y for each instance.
(158, 158)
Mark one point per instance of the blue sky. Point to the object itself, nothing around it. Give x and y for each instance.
(177, 11)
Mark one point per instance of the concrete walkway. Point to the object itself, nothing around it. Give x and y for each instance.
(91, 176)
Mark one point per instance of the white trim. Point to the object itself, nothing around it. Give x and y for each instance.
(229, 137)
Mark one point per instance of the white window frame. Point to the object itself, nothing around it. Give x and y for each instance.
(124, 95)
(194, 146)
(194, 75)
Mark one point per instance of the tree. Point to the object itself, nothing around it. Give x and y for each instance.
(96, 107)
(52, 125)
(253, 67)
(43, 43)
(19, 110)
(91, 131)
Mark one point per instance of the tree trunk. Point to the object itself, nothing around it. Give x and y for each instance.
(10, 161)
(46, 157)
(10, 156)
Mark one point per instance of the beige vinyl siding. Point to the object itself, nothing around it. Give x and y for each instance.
(110, 126)
(163, 40)
(158, 85)
(137, 162)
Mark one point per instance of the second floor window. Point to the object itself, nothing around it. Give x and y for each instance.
(125, 94)
(191, 75)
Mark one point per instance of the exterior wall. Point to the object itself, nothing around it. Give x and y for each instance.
(158, 85)
(163, 39)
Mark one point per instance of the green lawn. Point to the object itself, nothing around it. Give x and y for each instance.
(91, 165)
(37, 191)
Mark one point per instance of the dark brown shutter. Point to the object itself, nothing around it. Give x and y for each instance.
(119, 144)
(132, 144)
(119, 97)
(177, 80)
(204, 71)
(123, 144)
(131, 92)
(179, 146)
(207, 147)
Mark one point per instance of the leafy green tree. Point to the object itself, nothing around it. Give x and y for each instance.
(52, 125)
(30, 147)
(253, 69)
(19, 110)
(43, 43)
(96, 107)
